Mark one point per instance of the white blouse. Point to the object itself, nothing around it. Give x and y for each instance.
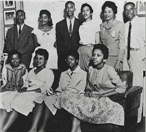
(43, 80)
(87, 32)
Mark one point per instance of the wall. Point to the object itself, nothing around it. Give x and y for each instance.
(1, 27)
(32, 9)
(18, 6)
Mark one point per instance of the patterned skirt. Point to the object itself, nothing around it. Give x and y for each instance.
(92, 110)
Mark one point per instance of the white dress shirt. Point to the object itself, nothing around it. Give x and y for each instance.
(87, 32)
(137, 34)
(19, 26)
(68, 22)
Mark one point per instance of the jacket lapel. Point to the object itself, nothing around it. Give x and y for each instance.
(22, 35)
(23, 31)
(15, 44)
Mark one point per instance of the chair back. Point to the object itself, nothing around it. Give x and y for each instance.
(127, 78)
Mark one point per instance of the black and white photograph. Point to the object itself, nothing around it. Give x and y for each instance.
(9, 4)
(9, 16)
(73, 66)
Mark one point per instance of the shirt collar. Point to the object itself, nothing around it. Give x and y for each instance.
(72, 20)
(21, 26)
(88, 22)
(133, 20)
(110, 25)
(75, 71)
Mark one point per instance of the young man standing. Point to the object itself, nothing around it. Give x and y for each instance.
(67, 35)
(19, 38)
(135, 42)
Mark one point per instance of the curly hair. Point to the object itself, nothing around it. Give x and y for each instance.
(103, 48)
(50, 23)
(42, 52)
(86, 4)
(111, 5)
(13, 52)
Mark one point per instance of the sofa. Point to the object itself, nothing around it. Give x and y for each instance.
(61, 122)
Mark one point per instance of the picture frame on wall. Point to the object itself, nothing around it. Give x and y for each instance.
(9, 4)
(141, 5)
(9, 16)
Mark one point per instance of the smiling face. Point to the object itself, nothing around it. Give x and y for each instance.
(40, 61)
(72, 62)
(70, 9)
(86, 13)
(98, 58)
(108, 14)
(130, 11)
(44, 19)
(14, 60)
(20, 17)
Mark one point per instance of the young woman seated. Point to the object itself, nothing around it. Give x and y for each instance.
(14, 75)
(38, 85)
(94, 106)
(72, 80)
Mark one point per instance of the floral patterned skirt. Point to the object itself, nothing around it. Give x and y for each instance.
(92, 110)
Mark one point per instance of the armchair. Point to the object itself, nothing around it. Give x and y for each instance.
(130, 100)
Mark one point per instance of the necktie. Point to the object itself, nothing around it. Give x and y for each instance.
(70, 28)
(71, 73)
(129, 38)
(19, 30)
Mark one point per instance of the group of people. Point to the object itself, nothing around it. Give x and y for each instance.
(88, 55)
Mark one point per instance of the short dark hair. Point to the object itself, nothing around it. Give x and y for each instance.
(43, 52)
(13, 52)
(50, 23)
(73, 53)
(129, 3)
(109, 4)
(103, 48)
(20, 11)
(68, 3)
(86, 4)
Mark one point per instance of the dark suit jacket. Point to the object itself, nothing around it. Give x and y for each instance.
(65, 42)
(24, 43)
